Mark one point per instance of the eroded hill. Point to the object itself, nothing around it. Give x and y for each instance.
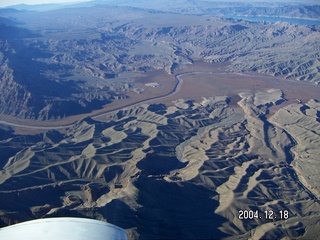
(185, 171)
(71, 61)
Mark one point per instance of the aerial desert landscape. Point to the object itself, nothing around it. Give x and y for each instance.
(172, 120)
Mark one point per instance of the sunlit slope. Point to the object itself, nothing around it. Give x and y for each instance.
(173, 172)
(301, 121)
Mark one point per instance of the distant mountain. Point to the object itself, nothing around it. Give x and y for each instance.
(247, 8)
(39, 7)
(50, 71)
(290, 9)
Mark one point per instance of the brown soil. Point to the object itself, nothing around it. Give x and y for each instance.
(220, 82)
(213, 80)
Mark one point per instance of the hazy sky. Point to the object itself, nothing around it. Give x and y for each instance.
(4, 3)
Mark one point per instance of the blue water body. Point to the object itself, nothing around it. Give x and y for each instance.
(278, 19)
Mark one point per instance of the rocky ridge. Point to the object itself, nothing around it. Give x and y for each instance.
(128, 166)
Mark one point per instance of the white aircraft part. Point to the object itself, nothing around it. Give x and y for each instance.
(64, 228)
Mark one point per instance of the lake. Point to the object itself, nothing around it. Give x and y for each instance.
(297, 21)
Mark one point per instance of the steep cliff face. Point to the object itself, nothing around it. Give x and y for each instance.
(14, 98)
(28, 92)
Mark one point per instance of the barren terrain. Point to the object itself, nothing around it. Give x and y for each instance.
(92, 57)
(128, 167)
(170, 123)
